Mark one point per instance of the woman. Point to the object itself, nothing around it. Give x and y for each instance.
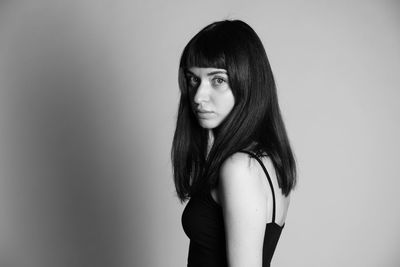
(231, 155)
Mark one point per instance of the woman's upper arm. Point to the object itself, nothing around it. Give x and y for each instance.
(243, 201)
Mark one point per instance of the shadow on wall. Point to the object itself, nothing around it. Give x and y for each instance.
(63, 168)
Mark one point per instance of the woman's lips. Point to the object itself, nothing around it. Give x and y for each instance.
(205, 114)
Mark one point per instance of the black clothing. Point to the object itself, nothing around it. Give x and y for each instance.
(203, 223)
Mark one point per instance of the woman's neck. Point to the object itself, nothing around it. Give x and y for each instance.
(210, 141)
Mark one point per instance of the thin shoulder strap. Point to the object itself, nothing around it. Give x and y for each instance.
(269, 181)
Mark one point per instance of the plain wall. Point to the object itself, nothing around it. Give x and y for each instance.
(88, 102)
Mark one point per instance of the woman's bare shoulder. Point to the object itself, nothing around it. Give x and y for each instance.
(240, 179)
(240, 166)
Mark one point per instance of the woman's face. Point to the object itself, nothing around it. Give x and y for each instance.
(211, 96)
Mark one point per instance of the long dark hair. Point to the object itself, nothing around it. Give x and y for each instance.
(255, 122)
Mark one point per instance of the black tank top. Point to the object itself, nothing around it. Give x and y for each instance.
(203, 223)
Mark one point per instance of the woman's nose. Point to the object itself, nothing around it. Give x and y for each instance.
(202, 93)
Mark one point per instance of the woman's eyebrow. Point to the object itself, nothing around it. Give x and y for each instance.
(188, 72)
(217, 72)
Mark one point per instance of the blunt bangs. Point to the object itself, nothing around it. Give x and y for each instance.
(205, 50)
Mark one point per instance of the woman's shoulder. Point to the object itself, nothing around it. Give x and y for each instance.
(238, 161)
(244, 162)
(243, 180)
(242, 170)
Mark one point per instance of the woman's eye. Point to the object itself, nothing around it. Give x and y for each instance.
(219, 81)
(193, 81)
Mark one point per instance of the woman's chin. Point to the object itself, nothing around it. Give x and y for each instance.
(208, 124)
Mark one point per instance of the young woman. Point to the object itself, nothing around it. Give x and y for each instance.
(231, 155)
